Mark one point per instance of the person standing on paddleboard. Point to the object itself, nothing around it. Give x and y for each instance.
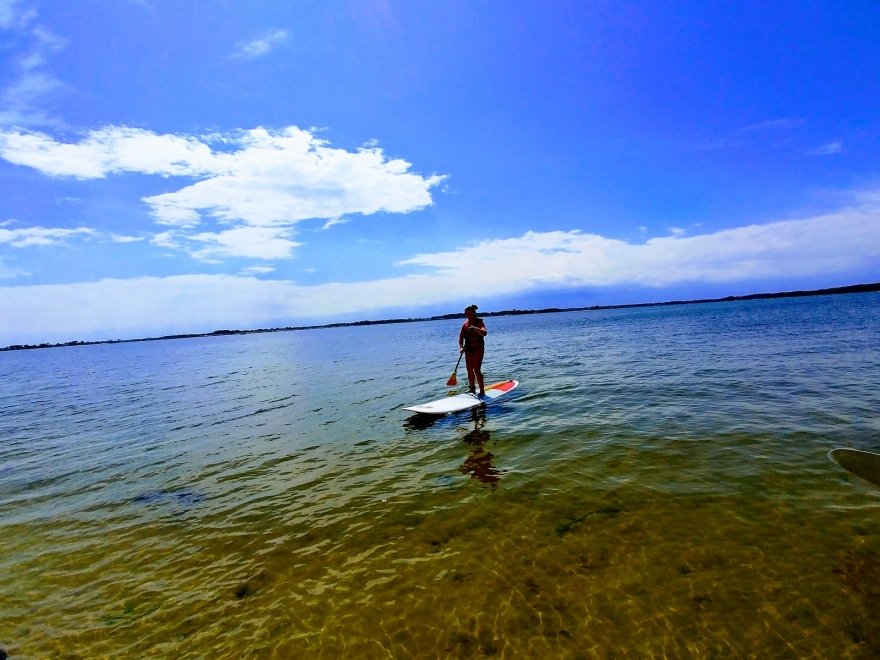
(471, 340)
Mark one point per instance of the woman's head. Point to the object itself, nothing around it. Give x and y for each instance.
(470, 311)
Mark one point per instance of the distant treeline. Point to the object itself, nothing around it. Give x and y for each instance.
(856, 288)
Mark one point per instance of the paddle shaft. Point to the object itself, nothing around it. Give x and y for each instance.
(460, 353)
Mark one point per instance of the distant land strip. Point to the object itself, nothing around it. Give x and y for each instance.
(855, 288)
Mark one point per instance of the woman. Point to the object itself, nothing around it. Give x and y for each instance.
(471, 341)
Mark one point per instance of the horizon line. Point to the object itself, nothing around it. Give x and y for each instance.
(852, 288)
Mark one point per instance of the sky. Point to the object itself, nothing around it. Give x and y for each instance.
(182, 167)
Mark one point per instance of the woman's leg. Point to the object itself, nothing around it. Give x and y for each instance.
(474, 362)
(478, 368)
(469, 357)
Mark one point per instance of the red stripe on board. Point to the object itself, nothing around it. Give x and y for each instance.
(504, 386)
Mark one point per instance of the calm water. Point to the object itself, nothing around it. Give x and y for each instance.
(657, 485)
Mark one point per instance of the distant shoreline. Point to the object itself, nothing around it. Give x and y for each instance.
(855, 288)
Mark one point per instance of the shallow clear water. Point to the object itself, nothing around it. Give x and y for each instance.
(658, 484)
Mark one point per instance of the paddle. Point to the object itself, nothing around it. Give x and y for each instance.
(453, 379)
(864, 464)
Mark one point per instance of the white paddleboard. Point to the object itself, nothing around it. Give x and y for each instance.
(466, 401)
(865, 464)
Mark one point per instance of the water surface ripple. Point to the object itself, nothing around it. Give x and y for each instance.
(657, 485)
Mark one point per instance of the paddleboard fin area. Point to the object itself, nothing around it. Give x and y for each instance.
(464, 401)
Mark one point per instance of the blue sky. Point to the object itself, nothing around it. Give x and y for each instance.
(172, 166)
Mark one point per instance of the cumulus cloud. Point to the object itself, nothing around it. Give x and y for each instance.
(244, 180)
(112, 150)
(283, 177)
(844, 242)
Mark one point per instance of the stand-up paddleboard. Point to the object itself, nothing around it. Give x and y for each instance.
(466, 401)
(864, 464)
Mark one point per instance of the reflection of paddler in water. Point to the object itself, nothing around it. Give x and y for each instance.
(479, 464)
(471, 340)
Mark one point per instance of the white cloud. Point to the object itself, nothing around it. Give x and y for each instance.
(833, 243)
(828, 149)
(12, 16)
(774, 124)
(7, 13)
(111, 150)
(250, 50)
(254, 178)
(119, 238)
(332, 222)
(771, 133)
(22, 98)
(8, 272)
(280, 178)
(840, 243)
(30, 236)
(257, 270)
(165, 239)
(254, 242)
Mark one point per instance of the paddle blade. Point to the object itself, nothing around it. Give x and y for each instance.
(453, 380)
(864, 464)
